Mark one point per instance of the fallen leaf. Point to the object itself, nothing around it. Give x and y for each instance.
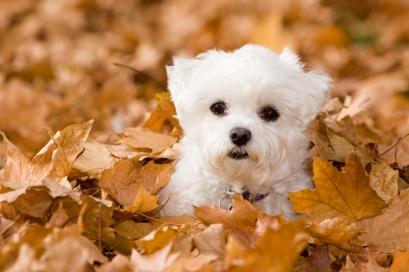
(143, 202)
(157, 239)
(338, 231)
(69, 143)
(400, 262)
(123, 181)
(242, 216)
(94, 159)
(133, 230)
(26, 261)
(384, 180)
(119, 263)
(277, 250)
(159, 260)
(366, 264)
(389, 231)
(69, 242)
(148, 141)
(211, 240)
(59, 217)
(20, 173)
(338, 193)
(35, 203)
(164, 114)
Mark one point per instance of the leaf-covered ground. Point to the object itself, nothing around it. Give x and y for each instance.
(87, 145)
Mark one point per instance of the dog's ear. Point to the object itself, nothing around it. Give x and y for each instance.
(291, 59)
(179, 74)
(316, 87)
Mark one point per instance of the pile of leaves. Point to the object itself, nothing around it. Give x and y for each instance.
(98, 202)
(85, 150)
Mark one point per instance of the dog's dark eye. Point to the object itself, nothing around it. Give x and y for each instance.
(269, 114)
(218, 108)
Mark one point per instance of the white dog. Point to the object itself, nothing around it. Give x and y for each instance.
(244, 115)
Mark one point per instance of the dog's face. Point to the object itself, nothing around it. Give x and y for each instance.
(246, 111)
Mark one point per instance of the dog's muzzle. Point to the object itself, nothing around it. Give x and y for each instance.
(238, 153)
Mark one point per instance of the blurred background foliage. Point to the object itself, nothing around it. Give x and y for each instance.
(57, 57)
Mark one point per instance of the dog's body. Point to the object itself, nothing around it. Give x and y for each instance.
(244, 116)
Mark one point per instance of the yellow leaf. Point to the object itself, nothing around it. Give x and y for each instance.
(400, 262)
(164, 114)
(157, 239)
(143, 202)
(242, 216)
(338, 193)
(337, 231)
(277, 250)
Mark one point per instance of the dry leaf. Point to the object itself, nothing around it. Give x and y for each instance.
(389, 230)
(19, 172)
(157, 239)
(143, 202)
(165, 113)
(148, 141)
(384, 180)
(123, 180)
(211, 240)
(276, 250)
(157, 261)
(69, 142)
(337, 193)
(337, 231)
(242, 216)
(400, 262)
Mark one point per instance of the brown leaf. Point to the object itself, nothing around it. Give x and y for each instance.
(35, 202)
(20, 173)
(59, 217)
(143, 202)
(26, 261)
(133, 230)
(69, 143)
(157, 239)
(211, 241)
(148, 141)
(160, 260)
(165, 113)
(337, 231)
(123, 180)
(384, 180)
(69, 242)
(389, 230)
(345, 193)
(277, 250)
(94, 159)
(119, 263)
(369, 264)
(242, 216)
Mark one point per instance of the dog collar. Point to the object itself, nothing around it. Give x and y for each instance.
(253, 197)
(226, 201)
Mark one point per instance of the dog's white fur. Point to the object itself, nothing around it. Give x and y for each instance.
(246, 80)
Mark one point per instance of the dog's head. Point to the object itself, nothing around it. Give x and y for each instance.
(246, 110)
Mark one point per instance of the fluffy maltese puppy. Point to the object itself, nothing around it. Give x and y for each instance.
(244, 115)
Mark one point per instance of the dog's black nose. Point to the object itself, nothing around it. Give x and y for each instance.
(240, 136)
